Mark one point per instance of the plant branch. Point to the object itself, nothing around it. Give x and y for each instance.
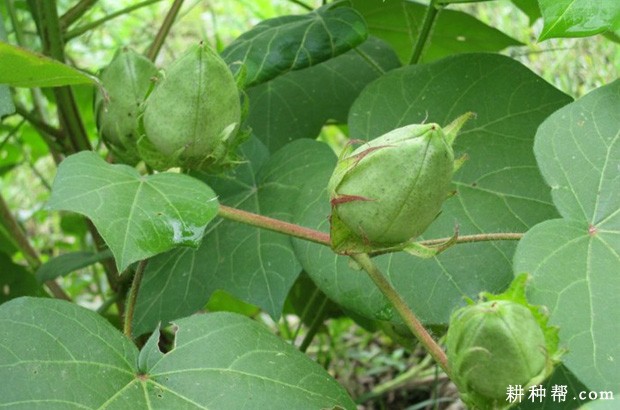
(158, 42)
(41, 126)
(322, 238)
(78, 31)
(53, 137)
(21, 241)
(130, 306)
(482, 237)
(302, 4)
(317, 321)
(424, 34)
(410, 319)
(275, 225)
(75, 12)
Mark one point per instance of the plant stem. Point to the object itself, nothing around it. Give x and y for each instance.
(412, 373)
(30, 254)
(130, 306)
(75, 12)
(410, 319)
(53, 45)
(275, 225)
(482, 237)
(424, 34)
(42, 127)
(78, 31)
(322, 238)
(301, 4)
(157, 44)
(317, 321)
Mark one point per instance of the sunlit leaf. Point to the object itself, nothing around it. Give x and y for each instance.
(276, 46)
(575, 261)
(23, 68)
(138, 216)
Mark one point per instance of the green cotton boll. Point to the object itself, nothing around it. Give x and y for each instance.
(127, 81)
(390, 189)
(192, 116)
(493, 345)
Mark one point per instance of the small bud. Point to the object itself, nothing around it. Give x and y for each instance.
(499, 343)
(389, 190)
(127, 81)
(192, 116)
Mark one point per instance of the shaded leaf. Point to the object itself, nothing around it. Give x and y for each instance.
(574, 261)
(6, 101)
(399, 21)
(51, 349)
(138, 216)
(23, 68)
(276, 46)
(16, 281)
(297, 104)
(530, 8)
(499, 145)
(65, 264)
(578, 18)
(254, 265)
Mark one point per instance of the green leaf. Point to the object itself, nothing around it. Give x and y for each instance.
(23, 68)
(50, 350)
(6, 101)
(399, 21)
(65, 264)
(15, 281)
(297, 104)
(276, 46)
(578, 18)
(138, 216)
(605, 402)
(530, 8)
(510, 102)
(254, 265)
(574, 261)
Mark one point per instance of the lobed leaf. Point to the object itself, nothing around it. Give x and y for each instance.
(574, 261)
(138, 216)
(50, 350)
(254, 265)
